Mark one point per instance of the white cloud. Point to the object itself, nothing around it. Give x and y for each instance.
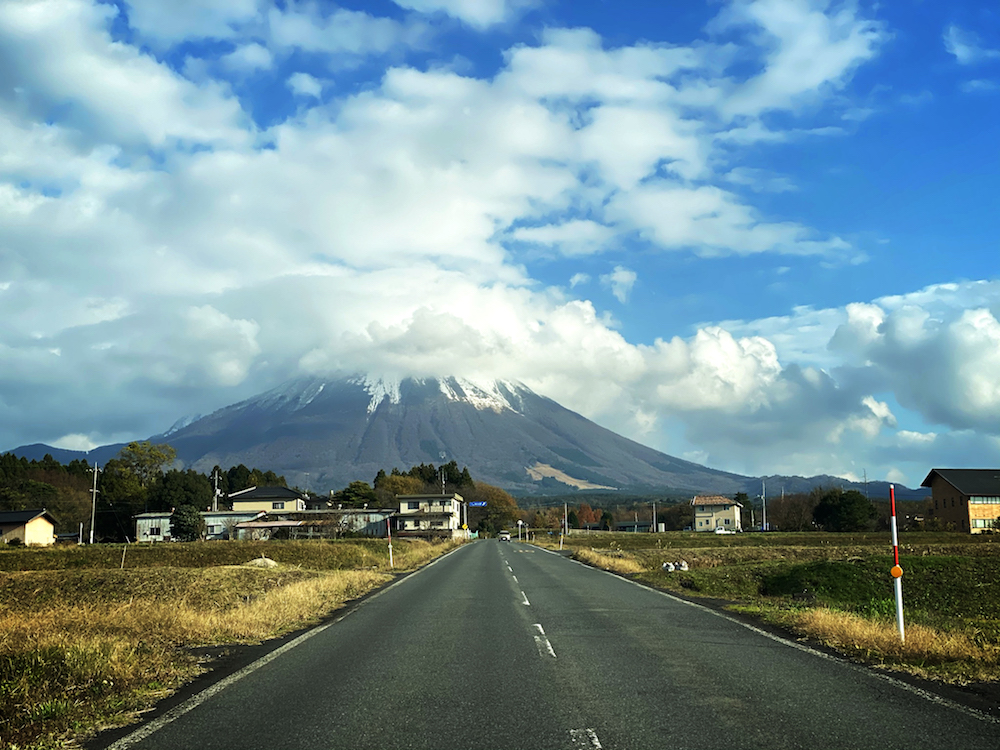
(303, 84)
(75, 442)
(574, 237)
(966, 47)
(579, 278)
(621, 280)
(307, 27)
(812, 48)
(178, 20)
(248, 58)
(59, 56)
(480, 14)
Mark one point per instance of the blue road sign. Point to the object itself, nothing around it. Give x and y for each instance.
(478, 504)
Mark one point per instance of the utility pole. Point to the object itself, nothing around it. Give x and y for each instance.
(93, 507)
(763, 502)
(215, 495)
(653, 528)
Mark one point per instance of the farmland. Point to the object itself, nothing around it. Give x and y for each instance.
(90, 636)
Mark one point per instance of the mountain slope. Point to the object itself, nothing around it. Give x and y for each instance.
(323, 433)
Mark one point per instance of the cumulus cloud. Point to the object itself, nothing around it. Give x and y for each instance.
(248, 58)
(620, 281)
(58, 62)
(303, 84)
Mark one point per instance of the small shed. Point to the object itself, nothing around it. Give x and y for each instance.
(34, 527)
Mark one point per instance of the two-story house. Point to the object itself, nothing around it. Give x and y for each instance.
(434, 516)
(713, 512)
(267, 499)
(965, 499)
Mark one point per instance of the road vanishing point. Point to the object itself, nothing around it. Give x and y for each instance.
(510, 646)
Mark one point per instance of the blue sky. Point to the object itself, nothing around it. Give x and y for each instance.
(758, 234)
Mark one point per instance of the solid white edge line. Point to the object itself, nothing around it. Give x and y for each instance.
(861, 669)
(197, 699)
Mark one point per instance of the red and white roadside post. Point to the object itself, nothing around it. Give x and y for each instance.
(896, 571)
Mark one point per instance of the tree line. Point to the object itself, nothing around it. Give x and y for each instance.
(137, 480)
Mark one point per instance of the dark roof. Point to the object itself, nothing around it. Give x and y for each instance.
(265, 493)
(970, 482)
(25, 516)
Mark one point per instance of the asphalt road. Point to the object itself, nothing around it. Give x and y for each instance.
(507, 646)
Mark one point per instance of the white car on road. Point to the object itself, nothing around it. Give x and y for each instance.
(504, 536)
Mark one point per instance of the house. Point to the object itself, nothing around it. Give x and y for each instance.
(219, 524)
(34, 527)
(430, 516)
(267, 499)
(325, 523)
(713, 511)
(965, 499)
(634, 526)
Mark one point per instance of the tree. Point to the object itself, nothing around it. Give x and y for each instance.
(177, 488)
(145, 460)
(607, 521)
(573, 519)
(586, 514)
(187, 524)
(355, 495)
(844, 511)
(397, 484)
(500, 512)
(239, 478)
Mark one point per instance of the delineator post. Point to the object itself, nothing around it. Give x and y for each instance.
(896, 571)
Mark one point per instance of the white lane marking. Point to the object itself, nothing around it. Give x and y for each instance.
(525, 597)
(585, 738)
(197, 699)
(542, 643)
(925, 694)
(514, 577)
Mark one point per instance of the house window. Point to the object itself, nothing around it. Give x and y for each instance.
(154, 530)
(727, 522)
(437, 523)
(277, 506)
(413, 505)
(211, 529)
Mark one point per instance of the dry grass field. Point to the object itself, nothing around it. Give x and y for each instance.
(86, 643)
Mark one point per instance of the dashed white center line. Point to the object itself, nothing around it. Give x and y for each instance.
(585, 738)
(542, 642)
(525, 598)
(514, 577)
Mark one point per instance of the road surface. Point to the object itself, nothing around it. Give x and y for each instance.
(508, 646)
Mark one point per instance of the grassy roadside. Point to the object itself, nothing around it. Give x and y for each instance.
(86, 644)
(835, 589)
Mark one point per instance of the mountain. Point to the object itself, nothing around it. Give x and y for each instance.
(322, 433)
